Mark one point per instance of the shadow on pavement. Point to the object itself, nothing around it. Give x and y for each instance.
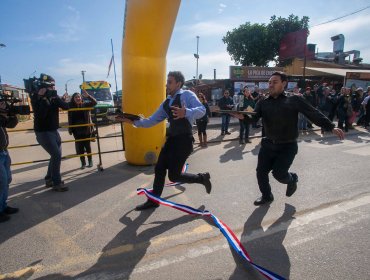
(124, 252)
(37, 203)
(267, 250)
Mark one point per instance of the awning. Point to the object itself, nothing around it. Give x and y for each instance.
(337, 71)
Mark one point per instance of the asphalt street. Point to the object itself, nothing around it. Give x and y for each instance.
(93, 232)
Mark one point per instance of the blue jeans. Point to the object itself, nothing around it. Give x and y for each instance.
(302, 122)
(51, 142)
(225, 122)
(5, 178)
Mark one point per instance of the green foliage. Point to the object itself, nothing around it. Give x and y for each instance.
(258, 44)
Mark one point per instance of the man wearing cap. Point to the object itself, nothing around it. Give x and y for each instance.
(46, 104)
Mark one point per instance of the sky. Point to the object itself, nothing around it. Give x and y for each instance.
(64, 37)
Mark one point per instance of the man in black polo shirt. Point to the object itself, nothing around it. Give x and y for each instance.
(279, 115)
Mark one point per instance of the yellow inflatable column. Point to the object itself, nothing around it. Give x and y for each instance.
(147, 31)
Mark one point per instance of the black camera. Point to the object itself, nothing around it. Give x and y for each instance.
(33, 85)
(10, 108)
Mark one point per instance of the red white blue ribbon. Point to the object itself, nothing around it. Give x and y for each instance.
(226, 231)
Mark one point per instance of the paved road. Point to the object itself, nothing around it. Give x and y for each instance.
(92, 232)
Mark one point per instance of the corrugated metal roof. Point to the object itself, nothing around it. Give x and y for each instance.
(337, 71)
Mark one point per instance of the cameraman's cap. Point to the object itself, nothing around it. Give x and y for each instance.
(47, 79)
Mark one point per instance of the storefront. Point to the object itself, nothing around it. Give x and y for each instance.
(242, 76)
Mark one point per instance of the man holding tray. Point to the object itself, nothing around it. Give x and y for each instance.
(279, 146)
(181, 108)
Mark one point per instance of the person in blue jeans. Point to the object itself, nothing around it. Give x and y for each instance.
(46, 104)
(6, 121)
(225, 103)
(245, 103)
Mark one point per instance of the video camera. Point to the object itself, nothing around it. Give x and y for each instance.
(12, 109)
(33, 85)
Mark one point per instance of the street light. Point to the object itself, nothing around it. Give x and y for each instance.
(196, 55)
(1, 46)
(67, 83)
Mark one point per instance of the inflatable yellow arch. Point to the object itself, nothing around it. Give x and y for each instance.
(148, 26)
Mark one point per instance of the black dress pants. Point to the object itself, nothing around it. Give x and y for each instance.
(276, 158)
(82, 147)
(172, 158)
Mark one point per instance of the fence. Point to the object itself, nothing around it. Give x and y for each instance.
(96, 137)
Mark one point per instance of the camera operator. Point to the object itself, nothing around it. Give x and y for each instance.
(6, 121)
(46, 104)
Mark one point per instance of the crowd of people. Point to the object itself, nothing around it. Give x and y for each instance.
(348, 106)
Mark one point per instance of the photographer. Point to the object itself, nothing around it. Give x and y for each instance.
(46, 104)
(6, 121)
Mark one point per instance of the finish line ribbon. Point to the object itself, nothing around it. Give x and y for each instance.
(226, 231)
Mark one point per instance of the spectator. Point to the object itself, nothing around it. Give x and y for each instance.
(82, 132)
(203, 121)
(6, 121)
(225, 103)
(344, 108)
(247, 104)
(366, 105)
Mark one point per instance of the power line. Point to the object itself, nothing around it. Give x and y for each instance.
(355, 12)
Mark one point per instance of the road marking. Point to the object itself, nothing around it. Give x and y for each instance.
(194, 249)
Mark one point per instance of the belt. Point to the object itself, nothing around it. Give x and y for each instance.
(280, 141)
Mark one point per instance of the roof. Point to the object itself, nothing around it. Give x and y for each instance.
(337, 71)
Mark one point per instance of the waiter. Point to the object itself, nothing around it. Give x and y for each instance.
(181, 108)
(279, 146)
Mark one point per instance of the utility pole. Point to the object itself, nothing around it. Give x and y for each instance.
(83, 75)
(196, 55)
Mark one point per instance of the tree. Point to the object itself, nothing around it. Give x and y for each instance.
(258, 44)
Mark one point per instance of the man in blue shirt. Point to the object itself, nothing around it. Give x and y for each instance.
(181, 108)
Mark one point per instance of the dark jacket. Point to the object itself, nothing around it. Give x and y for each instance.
(223, 103)
(81, 117)
(280, 116)
(46, 112)
(206, 116)
(6, 122)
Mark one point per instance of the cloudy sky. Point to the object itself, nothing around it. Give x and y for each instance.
(64, 37)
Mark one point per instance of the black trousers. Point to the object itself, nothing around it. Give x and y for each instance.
(81, 148)
(276, 158)
(172, 158)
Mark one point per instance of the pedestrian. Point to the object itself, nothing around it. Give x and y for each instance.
(82, 132)
(246, 104)
(6, 121)
(203, 121)
(279, 115)
(181, 108)
(366, 106)
(225, 103)
(344, 108)
(46, 104)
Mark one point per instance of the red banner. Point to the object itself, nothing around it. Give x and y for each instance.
(294, 44)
